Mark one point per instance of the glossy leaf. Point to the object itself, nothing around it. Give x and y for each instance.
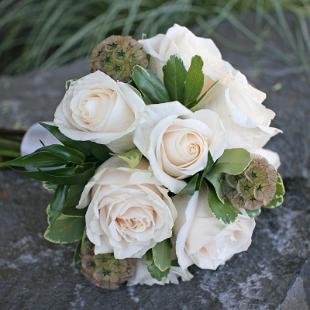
(174, 78)
(99, 151)
(65, 229)
(194, 81)
(233, 161)
(191, 186)
(153, 270)
(57, 203)
(162, 255)
(150, 85)
(64, 176)
(222, 211)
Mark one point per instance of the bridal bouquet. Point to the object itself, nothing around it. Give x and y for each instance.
(157, 161)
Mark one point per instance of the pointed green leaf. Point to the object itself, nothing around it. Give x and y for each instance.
(57, 203)
(65, 229)
(174, 78)
(194, 81)
(233, 161)
(191, 186)
(132, 158)
(64, 176)
(153, 270)
(72, 200)
(278, 198)
(222, 211)
(162, 255)
(150, 85)
(99, 151)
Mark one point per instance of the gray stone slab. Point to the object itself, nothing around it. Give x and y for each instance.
(34, 97)
(35, 274)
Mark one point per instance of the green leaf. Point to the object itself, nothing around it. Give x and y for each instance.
(72, 200)
(161, 253)
(64, 176)
(233, 161)
(38, 159)
(99, 151)
(191, 186)
(150, 85)
(77, 254)
(153, 270)
(195, 182)
(278, 198)
(132, 158)
(194, 81)
(174, 78)
(57, 203)
(254, 213)
(65, 229)
(222, 211)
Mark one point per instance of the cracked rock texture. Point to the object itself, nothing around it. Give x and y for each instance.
(273, 274)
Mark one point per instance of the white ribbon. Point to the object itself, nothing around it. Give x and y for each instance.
(35, 137)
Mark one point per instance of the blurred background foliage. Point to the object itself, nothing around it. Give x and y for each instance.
(47, 33)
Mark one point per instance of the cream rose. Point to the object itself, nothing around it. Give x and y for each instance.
(180, 41)
(238, 104)
(128, 210)
(142, 276)
(203, 240)
(176, 141)
(96, 108)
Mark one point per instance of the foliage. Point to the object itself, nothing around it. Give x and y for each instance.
(39, 33)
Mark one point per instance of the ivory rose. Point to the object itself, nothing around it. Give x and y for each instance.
(202, 239)
(97, 108)
(128, 210)
(238, 104)
(176, 141)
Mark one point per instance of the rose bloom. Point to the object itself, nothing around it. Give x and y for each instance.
(176, 141)
(238, 104)
(128, 210)
(96, 108)
(203, 240)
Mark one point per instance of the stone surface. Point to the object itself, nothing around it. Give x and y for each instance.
(35, 274)
(273, 274)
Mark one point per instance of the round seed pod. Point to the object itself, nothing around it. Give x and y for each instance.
(104, 270)
(253, 188)
(117, 55)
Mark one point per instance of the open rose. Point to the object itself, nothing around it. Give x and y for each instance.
(182, 42)
(202, 239)
(176, 141)
(96, 108)
(238, 104)
(128, 211)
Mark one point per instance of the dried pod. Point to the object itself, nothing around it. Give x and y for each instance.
(104, 270)
(117, 55)
(253, 188)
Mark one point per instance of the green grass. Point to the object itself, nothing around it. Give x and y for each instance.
(43, 34)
